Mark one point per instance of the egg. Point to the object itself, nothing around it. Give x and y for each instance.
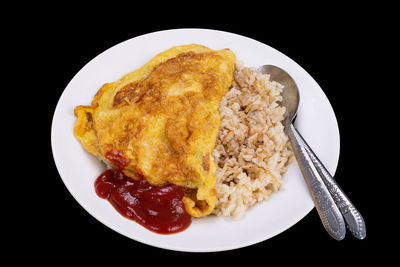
(164, 119)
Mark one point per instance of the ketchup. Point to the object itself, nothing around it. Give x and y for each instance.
(117, 158)
(157, 208)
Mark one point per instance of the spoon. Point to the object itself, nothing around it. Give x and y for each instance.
(332, 204)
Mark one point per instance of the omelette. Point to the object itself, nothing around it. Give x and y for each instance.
(163, 119)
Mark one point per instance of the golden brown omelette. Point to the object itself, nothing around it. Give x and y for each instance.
(163, 118)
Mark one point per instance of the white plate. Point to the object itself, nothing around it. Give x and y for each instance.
(78, 169)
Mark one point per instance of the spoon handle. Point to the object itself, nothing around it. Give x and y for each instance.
(328, 211)
(351, 215)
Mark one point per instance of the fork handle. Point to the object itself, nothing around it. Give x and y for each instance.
(329, 213)
(351, 215)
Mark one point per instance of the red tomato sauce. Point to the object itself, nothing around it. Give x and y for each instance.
(117, 158)
(157, 208)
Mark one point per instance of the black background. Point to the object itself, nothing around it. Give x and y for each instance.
(333, 43)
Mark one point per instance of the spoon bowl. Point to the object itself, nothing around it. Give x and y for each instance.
(290, 94)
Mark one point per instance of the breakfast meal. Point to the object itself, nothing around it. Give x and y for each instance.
(189, 134)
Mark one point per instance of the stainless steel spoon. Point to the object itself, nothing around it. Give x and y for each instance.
(330, 201)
